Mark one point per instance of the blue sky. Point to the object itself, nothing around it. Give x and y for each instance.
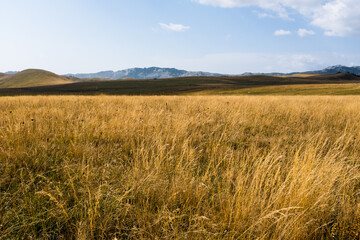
(225, 36)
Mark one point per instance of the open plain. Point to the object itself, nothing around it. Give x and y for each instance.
(180, 167)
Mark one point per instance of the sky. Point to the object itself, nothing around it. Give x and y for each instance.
(221, 36)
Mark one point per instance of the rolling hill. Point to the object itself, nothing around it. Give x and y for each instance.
(33, 78)
(203, 85)
(157, 72)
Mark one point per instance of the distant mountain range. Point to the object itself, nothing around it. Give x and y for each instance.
(143, 73)
(339, 68)
(156, 72)
(11, 72)
(329, 70)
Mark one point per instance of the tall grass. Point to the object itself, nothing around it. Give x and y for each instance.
(179, 167)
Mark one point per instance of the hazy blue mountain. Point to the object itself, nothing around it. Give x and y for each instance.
(329, 70)
(143, 73)
(11, 72)
(267, 74)
(339, 68)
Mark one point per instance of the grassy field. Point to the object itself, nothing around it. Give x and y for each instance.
(341, 83)
(180, 167)
(290, 90)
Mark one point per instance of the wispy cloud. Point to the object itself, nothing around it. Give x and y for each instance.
(281, 32)
(304, 32)
(174, 27)
(264, 14)
(335, 17)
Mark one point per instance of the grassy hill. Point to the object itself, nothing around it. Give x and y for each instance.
(32, 78)
(2, 75)
(186, 85)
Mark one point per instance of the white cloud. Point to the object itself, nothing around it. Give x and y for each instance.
(174, 27)
(278, 6)
(304, 32)
(335, 17)
(281, 32)
(339, 18)
(224, 3)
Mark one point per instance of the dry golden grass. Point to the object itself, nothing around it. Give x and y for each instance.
(301, 75)
(290, 90)
(179, 167)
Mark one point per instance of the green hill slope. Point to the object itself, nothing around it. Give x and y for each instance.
(32, 78)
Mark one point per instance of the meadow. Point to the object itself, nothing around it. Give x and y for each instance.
(180, 167)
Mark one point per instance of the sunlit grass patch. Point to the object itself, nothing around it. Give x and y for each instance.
(179, 167)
